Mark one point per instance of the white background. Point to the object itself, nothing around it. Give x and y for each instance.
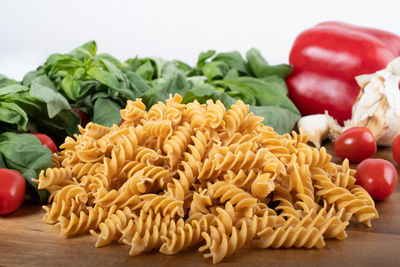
(31, 30)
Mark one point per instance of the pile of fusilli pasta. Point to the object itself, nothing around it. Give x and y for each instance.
(197, 175)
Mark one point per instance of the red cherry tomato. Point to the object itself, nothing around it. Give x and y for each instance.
(82, 115)
(356, 144)
(396, 149)
(46, 141)
(378, 177)
(12, 190)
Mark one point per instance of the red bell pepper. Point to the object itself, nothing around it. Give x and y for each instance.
(327, 58)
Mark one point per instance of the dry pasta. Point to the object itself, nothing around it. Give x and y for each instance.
(198, 175)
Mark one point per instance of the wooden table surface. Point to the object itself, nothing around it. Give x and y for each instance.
(26, 241)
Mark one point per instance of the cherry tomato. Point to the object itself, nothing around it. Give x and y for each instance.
(46, 141)
(396, 149)
(82, 115)
(122, 121)
(12, 190)
(378, 177)
(356, 144)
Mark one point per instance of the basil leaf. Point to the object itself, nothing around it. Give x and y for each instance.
(182, 65)
(158, 64)
(86, 50)
(66, 120)
(109, 80)
(231, 75)
(256, 62)
(201, 61)
(4, 81)
(30, 76)
(260, 67)
(264, 93)
(113, 69)
(91, 47)
(277, 82)
(169, 69)
(13, 114)
(234, 60)
(138, 85)
(57, 62)
(215, 70)
(164, 88)
(43, 89)
(71, 88)
(106, 112)
(196, 81)
(133, 63)
(26, 154)
(146, 71)
(12, 89)
(194, 72)
(111, 59)
(206, 91)
(281, 119)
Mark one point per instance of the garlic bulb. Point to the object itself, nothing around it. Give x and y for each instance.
(377, 107)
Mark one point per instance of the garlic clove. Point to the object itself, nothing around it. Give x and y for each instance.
(316, 127)
(369, 108)
(394, 66)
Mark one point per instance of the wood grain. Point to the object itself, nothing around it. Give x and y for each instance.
(26, 241)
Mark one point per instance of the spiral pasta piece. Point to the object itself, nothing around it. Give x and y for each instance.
(227, 160)
(56, 160)
(94, 130)
(250, 124)
(127, 195)
(177, 144)
(240, 199)
(241, 179)
(286, 206)
(134, 111)
(145, 231)
(55, 177)
(156, 112)
(293, 236)
(158, 128)
(262, 186)
(343, 198)
(81, 169)
(215, 114)
(201, 202)
(173, 111)
(87, 220)
(234, 117)
(297, 138)
(222, 245)
(183, 237)
(196, 114)
(208, 171)
(112, 226)
(313, 157)
(86, 152)
(162, 204)
(68, 200)
(344, 177)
